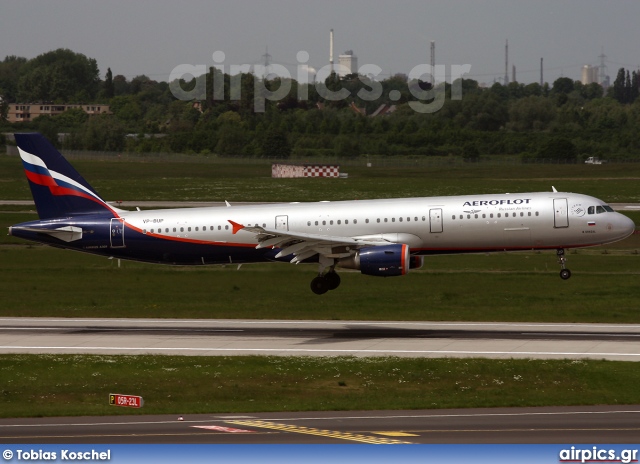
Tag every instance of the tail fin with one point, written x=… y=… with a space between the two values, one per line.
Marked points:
x=57 y=188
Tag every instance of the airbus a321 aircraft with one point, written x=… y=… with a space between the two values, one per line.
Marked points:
x=384 y=238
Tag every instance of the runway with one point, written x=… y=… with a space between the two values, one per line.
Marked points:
x=320 y=338
x=596 y=424
x=574 y=425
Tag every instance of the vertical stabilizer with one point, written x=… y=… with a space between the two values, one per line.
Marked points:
x=58 y=189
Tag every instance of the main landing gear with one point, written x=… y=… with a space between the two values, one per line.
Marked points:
x=325 y=282
x=562 y=260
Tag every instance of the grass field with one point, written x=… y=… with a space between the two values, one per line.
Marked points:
x=128 y=180
x=55 y=385
x=499 y=287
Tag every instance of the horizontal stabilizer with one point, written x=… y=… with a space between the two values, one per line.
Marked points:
x=66 y=234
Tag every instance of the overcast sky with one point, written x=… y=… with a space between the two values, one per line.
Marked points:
x=134 y=37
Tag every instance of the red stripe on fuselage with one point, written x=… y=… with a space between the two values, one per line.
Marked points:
x=188 y=240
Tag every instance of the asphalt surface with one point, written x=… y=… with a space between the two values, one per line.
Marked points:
x=575 y=425
x=319 y=338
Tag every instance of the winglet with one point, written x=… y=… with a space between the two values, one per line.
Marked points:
x=554 y=189
x=236 y=227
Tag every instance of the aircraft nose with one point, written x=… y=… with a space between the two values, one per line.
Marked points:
x=625 y=225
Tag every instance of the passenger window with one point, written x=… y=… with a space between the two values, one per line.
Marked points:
x=331 y=223
x=174 y=229
x=308 y=223
x=316 y=222
x=453 y=217
x=181 y=229
x=355 y=221
x=491 y=215
x=226 y=227
x=366 y=221
x=521 y=214
x=386 y=220
x=197 y=229
x=189 y=229
x=499 y=215
x=346 y=221
x=339 y=222
x=378 y=220
x=393 y=219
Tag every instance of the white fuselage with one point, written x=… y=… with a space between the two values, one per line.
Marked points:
x=428 y=225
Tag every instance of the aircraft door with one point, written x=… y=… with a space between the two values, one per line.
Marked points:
x=435 y=220
x=282 y=222
x=117 y=233
x=561 y=213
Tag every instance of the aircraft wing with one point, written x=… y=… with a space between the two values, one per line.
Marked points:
x=304 y=246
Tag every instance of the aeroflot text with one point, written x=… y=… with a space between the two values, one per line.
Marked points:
x=523 y=201
x=64 y=455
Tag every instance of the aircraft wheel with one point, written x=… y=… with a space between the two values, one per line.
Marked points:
x=565 y=274
x=333 y=280
x=319 y=285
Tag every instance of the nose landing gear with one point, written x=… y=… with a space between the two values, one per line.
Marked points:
x=562 y=260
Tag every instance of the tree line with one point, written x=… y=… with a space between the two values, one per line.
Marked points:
x=563 y=120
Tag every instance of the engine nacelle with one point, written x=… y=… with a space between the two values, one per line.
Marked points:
x=384 y=260
x=416 y=262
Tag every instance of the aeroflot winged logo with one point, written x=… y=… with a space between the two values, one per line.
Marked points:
x=517 y=201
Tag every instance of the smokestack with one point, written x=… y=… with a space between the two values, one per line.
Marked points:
x=331 y=50
x=433 y=63
x=506 y=63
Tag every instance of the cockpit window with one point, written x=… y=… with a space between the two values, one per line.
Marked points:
x=608 y=208
x=600 y=210
x=591 y=210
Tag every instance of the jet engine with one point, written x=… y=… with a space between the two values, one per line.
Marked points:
x=383 y=260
